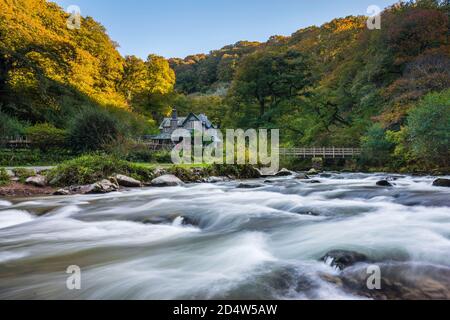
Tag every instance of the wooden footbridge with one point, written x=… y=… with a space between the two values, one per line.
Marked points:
x=310 y=152
x=321 y=152
x=15 y=142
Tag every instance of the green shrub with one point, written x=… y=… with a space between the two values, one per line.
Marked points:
x=244 y=171
x=376 y=149
x=4 y=177
x=140 y=153
x=30 y=157
x=10 y=126
x=45 y=136
x=92 y=168
x=93 y=130
x=23 y=173
x=184 y=174
x=162 y=156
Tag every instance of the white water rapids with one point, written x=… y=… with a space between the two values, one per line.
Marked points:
x=217 y=241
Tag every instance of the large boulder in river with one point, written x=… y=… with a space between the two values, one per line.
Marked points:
x=284 y=172
x=384 y=183
x=441 y=183
x=167 y=180
x=265 y=172
x=128 y=182
x=313 y=171
x=343 y=259
x=37 y=181
x=104 y=186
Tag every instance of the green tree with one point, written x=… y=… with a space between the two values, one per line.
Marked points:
x=429 y=128
x=267 y=79
x=376 y=149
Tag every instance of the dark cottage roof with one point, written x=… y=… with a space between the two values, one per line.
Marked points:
x=162 y=136
x=166 y=122
x=182 y=120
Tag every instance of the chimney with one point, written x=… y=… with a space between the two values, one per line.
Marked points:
x=174 y=120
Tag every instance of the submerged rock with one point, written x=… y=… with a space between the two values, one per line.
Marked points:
x=441 y=183
x=343 y=259
x=128 y=182
x=37 y=181
x=302 y=176
x=167 y=180
x=384 y=183
x=399 y=281
x=249 y=186
x=312 y=181
x=104 y=186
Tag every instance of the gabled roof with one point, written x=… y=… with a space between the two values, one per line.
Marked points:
x=166 y=122
x=183 y=120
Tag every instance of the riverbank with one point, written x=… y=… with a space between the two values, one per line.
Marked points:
x=104 y=174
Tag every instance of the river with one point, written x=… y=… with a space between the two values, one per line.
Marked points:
x=218 y=241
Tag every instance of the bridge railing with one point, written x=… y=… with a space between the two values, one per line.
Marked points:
x=325 y=152
x=15 y=141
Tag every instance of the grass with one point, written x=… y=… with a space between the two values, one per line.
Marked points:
x=92 y=168
x=4 y=177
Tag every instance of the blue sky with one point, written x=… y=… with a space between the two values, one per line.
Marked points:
x=177 y=28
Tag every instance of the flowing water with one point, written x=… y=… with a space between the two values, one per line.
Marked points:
x=218 y=241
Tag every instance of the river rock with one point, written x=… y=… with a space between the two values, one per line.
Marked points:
x=399 y=281
x=159 y=172
x=384 y=183
x=266 y=172
x=302 y=176
x=214 y=179
x=284 y=172
x=167 y=180
x=128 y=182
x=343 y=259
x=313 y=171
x=37 y=181
x=441 y=183
x=62 y=192
x=104 y=186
